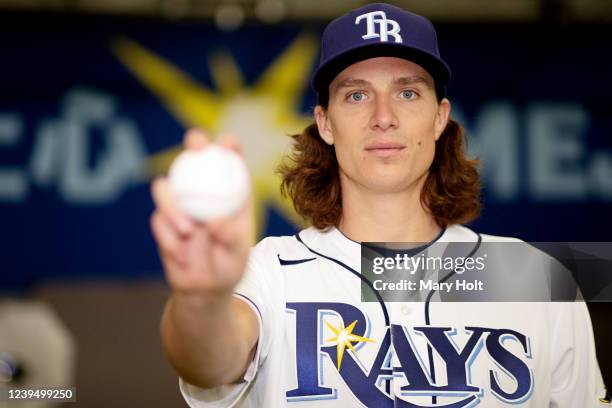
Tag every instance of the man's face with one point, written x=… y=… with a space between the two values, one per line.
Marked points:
x=383 y=119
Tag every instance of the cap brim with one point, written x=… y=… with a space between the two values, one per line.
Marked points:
x=432 y=64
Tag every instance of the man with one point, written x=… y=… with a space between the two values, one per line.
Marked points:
x=285 y=325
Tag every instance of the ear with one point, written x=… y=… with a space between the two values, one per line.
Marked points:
x=444 y=109
x=320 y=115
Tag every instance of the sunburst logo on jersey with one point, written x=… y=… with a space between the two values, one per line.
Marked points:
x=344 y=337
x=260 y=115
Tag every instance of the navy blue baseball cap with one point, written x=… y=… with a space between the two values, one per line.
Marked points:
x=379 y=30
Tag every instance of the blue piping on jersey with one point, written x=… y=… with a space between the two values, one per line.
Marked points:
x=432 y=368
x=354 y=272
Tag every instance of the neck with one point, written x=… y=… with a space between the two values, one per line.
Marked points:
x=387 y=217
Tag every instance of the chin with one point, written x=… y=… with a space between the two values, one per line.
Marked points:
x=391 y=180
x=387 y=185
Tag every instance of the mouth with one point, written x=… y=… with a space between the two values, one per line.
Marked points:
x=384 y=149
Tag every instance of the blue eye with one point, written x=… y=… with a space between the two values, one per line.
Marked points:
x=408 y=94
x=357 y=96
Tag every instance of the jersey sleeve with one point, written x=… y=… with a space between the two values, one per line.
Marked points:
x=576 y=377
x=258 y=289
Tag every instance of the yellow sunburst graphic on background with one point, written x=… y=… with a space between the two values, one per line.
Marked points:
x=345 y=338
x=260 y=116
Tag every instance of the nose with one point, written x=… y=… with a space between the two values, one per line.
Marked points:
x=383 y=118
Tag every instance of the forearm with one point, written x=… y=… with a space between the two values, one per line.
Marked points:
x=208 y=342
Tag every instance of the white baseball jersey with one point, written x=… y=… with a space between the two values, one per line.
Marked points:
x=321 y=346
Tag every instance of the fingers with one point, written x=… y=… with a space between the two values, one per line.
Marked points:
x=198 y=139
x=184 y=259
x=231 y=142
x=168 y=207
x=236 y=230
x=167 y=238
x=195 y=139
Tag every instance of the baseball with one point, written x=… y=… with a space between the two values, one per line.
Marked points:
x=209 y=183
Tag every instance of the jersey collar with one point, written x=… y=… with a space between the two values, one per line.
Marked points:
x=334 y=244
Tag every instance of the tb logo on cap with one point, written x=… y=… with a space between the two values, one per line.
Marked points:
x=388 y=27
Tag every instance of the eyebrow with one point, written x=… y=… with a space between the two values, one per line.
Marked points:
x=411 y=80
x=348 y=82
x=403 y=81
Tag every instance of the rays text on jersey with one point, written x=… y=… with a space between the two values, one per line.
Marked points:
x=398 y=375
